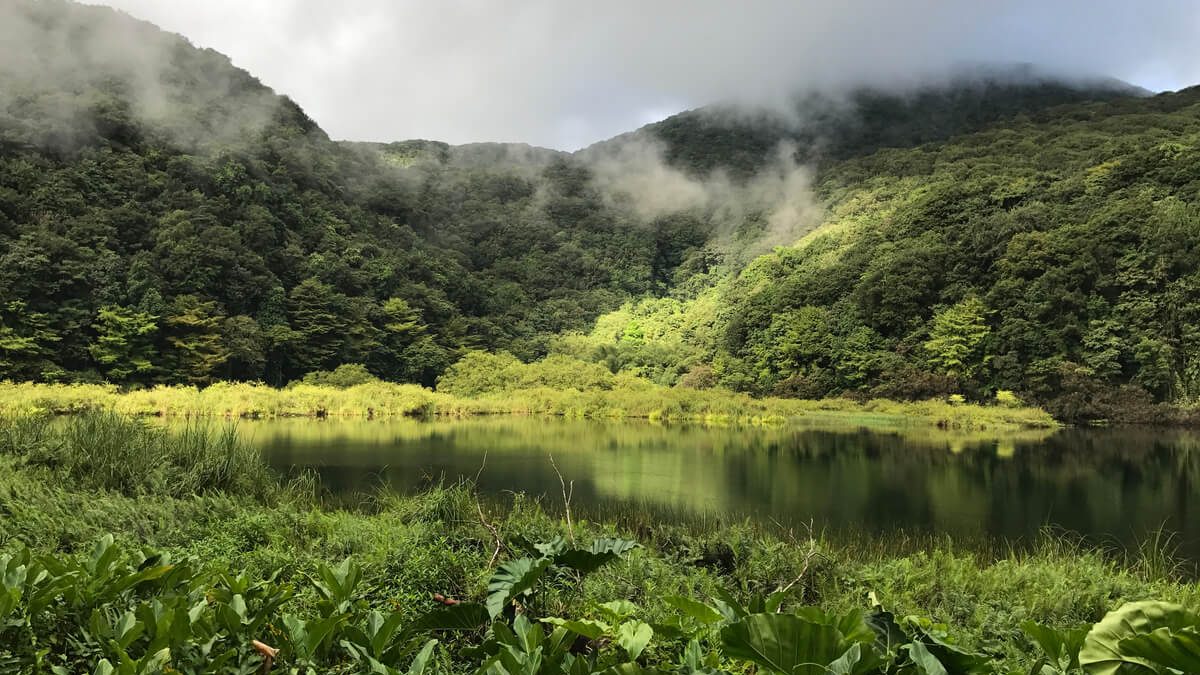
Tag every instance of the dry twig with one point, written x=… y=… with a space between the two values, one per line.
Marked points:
x=566 y=500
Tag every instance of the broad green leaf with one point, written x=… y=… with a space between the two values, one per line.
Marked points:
x=783 y=643
x=614 y=546
x=129 y=581
x=728 y=605
x=156 y=662
x=926 y=663
x=382 y=630
x=1102 y=653
x=629 y=669
x=378 y=668
x=1061 y=646
x=103 y=555
x=845 y=664
x=551 y=548
x=954 y=658
x=859 y=659
x=463 y=616
x=421 y=660
x=1174 y=649
x=618 y=609
x=588 y=628
x=584 y=562
x=852 y=625
x=889 y=635
x=511 y=580
x=774 y=601
x=633 y=636
x=697 y=611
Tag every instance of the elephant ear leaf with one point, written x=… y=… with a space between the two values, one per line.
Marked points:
x=1061 y=646
x=633 y=636
x=512 y=579
x=1103 y=653
x=924 y=660
x=697 y=611
x=465 y=616
x=614 y=546
x=783 y=643
x=586 y=561
x=1178 y=650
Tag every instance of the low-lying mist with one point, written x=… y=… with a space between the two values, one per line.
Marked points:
x=633 y=173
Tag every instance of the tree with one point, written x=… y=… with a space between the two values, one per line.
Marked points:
x=26 y=344
x=956 y=338
x=401 y=328
x=319 y=316
x=277 y=336
x=246 y=343
x=193 y=331
x=124 y=345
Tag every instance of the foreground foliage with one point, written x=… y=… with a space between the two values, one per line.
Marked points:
x=104 y=575
x=118 y=611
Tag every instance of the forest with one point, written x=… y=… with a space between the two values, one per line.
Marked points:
x=182 y=224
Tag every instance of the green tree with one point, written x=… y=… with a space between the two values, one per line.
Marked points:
x=957 y=336
x=124 y=347
x=319 y=315
x=193 y=331
x=247 y=344
x=26 y=344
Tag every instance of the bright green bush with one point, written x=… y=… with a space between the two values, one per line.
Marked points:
x=343 y=377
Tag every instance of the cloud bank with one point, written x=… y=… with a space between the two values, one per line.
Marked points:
x=563 y=74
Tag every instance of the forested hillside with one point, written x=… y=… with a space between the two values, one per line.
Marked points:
x=1054 y=254
x=165 y=217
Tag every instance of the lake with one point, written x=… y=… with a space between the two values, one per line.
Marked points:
x=1114 y=486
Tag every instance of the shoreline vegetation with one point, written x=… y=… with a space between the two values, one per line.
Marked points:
x=382 y=399
x=242 y=556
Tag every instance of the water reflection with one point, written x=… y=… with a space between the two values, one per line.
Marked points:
x=1109 y=484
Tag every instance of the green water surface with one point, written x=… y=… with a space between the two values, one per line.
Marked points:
x=1113 y=486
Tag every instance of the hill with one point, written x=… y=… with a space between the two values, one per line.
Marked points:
x=165 y=217
x=1052 y=254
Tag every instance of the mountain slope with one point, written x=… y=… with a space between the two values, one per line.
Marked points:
x=1052 y=254
x=825 y=128
x=165 y=217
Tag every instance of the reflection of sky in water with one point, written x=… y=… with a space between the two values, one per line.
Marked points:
x=1112 y=484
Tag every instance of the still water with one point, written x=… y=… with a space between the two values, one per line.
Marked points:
x=1113 y=486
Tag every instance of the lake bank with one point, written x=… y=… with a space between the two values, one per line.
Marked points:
x=64 y=488
x=444 y=540
x=380 y=399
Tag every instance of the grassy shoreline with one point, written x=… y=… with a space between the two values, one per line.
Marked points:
x=380 y=399
x=63 y=488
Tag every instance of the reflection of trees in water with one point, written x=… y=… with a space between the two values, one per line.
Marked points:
x=1115 y=482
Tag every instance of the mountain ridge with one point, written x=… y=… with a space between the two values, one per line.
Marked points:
x=215 y=231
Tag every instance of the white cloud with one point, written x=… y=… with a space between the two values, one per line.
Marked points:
x=564 y=73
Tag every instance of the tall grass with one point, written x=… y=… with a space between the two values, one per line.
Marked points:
x=382 y=399
x=110 y=451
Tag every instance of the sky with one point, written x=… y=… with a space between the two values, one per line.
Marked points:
x=567 y=73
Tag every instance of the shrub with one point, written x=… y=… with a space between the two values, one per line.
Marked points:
x=1007 y=399
x=343 y=377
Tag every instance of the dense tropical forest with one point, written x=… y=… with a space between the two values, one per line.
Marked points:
x=166 y=218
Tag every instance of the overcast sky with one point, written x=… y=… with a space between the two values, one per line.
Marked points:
x=566 y=73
